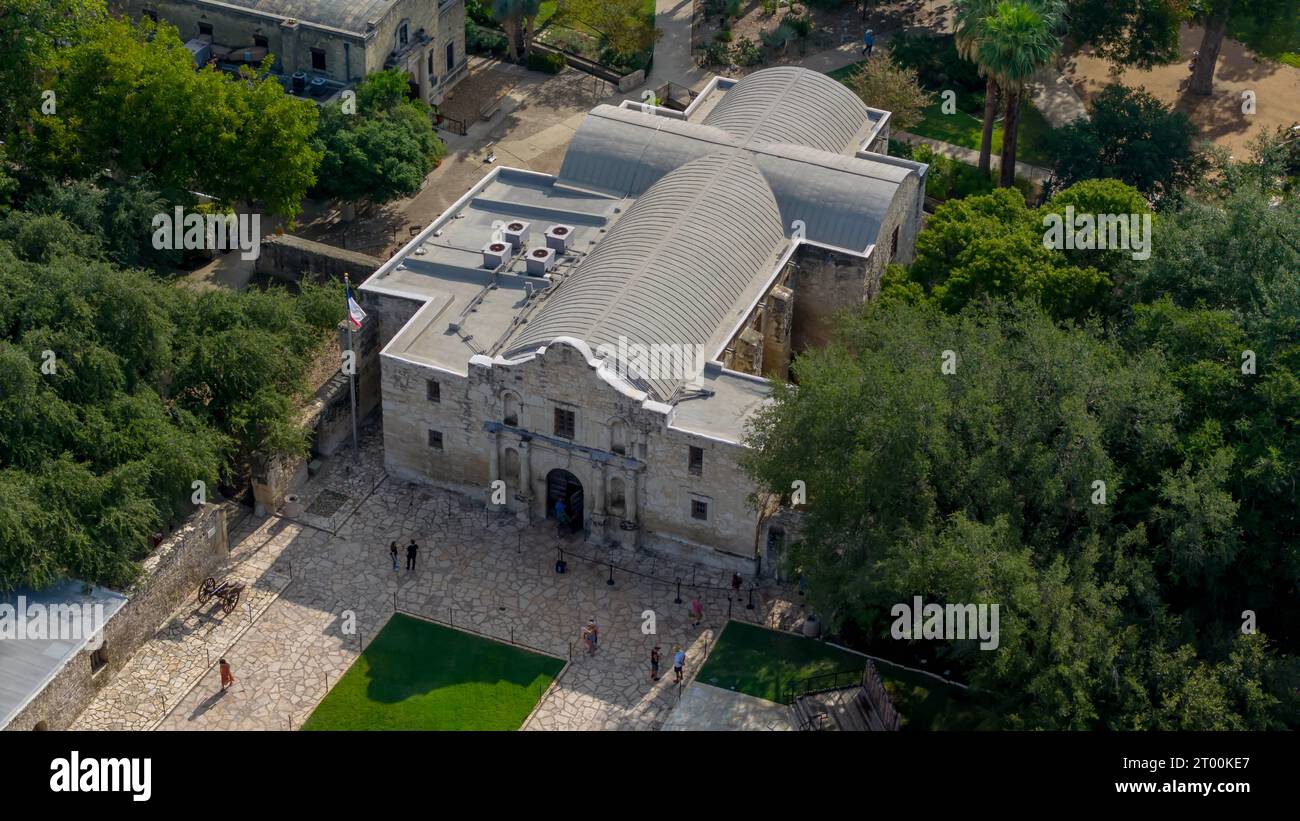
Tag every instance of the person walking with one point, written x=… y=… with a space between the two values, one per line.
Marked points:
x=411 y=550
x=868 y=42
x=697 y=612
x=561 y=517
x=736 y=581
x=591 y=635
x=392 y=551
x=654 y=663
x=227 y=678
x=679 y=661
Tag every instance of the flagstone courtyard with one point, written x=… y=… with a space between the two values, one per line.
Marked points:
x=321 y=587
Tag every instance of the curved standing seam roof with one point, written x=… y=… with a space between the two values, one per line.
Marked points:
x=674 y=269
x=788 y=104
x=624 y=151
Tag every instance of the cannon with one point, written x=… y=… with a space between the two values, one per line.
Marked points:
x=227 y=592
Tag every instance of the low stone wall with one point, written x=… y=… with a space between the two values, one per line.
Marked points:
x=168 y=576
x=291 y=258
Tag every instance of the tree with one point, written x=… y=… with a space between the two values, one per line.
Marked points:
x=1014 y=41
x=384 y=150
x=31 y=32
x=131 y=100
x=1214 y=15
x=882 y=83
x=621 y=24
x=1136 y=33
x=992 y=246
x=516 y=17
x=1132 y=137
x=969 y=31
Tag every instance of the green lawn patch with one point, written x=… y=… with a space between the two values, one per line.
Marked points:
x=762 y=663
x=417 y=675
x=585 y=42
x=964 y=127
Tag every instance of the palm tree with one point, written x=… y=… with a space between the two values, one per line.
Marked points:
x=1016 y=40
x=516 y=18
x=968 y=31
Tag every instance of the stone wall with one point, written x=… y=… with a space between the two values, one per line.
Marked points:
x=287 y=257
x=168 y=576
x=498 y=422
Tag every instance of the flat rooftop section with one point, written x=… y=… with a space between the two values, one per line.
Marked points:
x=27 y=665
x=347 y=15
x=722 y=415
x=447 y=268
x=712 y=709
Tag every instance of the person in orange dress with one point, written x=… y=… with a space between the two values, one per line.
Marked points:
x=227 y=678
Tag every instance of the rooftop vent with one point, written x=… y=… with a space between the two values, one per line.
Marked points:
x=540 y=260
x=559 y=237
x=516 y=233
x=496 y=254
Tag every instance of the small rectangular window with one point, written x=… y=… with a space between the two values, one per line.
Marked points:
x=98 y=658
x=435 y=439
x=432 y=390
x=696 y=463
x=151 y=14
x=699 y=510
x=261 y=42
x=565 y=423
x=402 y=35
x=318 y=59
x=205 y=28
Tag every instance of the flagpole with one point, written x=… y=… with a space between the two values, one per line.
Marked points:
x=352 y=373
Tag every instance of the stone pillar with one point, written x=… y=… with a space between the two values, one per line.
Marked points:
x=525 y=481
x=422 y=72
x=629 y=503
x=598 y=492
x=494 y=468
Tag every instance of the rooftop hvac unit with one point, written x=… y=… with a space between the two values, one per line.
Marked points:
x=540 y=261
x=319 y=87
x=516 y=233
x=496 y=254
x=559 y=237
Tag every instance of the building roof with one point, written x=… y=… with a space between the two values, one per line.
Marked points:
x=28 y=664
x=788 y=104
x=348 y=15
x=677 y=269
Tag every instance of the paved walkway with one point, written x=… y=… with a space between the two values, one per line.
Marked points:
x=705 y=707
x=673 y=61
x=1054 y=97
x=1036 y=174
x=491 y=574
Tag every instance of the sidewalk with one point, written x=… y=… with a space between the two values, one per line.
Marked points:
x=1036 y=174
x=673 y=61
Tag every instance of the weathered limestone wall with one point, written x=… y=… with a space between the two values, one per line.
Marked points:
x=291 y=258
x=498 y=422
x=171 y=573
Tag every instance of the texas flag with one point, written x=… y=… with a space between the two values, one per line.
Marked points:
x=355 y=315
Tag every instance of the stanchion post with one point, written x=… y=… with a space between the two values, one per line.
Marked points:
x=678 y=600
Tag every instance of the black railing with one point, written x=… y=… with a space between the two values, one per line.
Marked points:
x=820 y=683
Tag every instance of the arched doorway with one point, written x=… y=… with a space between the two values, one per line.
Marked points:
x=564 y=486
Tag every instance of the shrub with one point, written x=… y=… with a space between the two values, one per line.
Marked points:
x=936 y=61
x=769 y=8
x=546 y=61
x=800 y=25
x=484 y=40
x=717 y=53
x=723 y=36
x=747 y=52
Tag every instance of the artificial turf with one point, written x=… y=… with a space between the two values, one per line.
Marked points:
x=417 y=675
x=764 y=663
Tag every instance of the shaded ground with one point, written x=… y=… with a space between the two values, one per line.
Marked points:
x=1219 y=117
x=417 y=675
x=764 y=663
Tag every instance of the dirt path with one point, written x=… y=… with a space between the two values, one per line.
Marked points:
x=1218 y=117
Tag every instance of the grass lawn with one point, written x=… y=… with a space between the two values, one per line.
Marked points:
x=964 y=127
x=760 y=662
x=417 y=675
